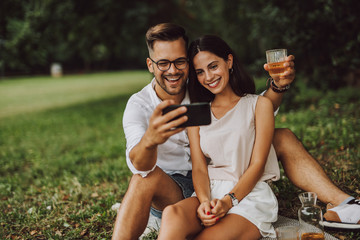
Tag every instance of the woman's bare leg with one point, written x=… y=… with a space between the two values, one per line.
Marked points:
x=232 y=226
x=180 y=221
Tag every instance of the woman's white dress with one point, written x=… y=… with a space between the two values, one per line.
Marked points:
x=227 y=143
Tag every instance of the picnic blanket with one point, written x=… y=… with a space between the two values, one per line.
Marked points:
x=154 y=224
x=285 y=221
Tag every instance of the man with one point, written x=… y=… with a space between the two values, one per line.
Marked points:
x=158 y=153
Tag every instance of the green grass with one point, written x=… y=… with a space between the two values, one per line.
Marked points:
x=63 y=168
x=328 y=124
x=62 y=151
x=42 y=93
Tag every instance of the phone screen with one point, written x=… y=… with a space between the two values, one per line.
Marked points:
x=198 y=114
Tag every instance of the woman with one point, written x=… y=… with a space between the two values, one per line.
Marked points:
x=232 y=157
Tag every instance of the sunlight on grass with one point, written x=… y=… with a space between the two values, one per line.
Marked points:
x=41 y=93
x=64 y=168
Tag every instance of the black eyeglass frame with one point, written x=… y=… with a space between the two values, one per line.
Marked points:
x=170 y=62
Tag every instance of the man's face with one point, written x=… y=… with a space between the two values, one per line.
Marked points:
x=172 y=82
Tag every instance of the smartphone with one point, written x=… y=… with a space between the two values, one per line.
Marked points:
x=197 y=113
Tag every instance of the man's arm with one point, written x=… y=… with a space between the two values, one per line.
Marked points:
x=143 y=156
x=281 y=83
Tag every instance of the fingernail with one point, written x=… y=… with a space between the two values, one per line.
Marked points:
x=213 y=216
x=208 y=213
x=217 y=219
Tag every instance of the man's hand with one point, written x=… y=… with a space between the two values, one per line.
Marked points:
x=144 y=154
x=160 y=126
x=288 y=76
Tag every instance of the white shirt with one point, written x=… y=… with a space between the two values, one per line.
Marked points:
x=173 y=156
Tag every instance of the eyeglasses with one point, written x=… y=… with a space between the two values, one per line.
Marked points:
x=164 y=64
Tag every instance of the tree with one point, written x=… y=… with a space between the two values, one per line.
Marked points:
x=324 y=35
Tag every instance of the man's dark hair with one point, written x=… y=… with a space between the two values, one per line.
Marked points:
x=165 y=32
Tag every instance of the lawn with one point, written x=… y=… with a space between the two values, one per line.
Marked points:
x=26 y=95
x=62 y=150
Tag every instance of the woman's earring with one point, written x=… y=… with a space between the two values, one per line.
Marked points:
x=231 y=70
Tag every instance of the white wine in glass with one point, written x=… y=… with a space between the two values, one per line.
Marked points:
x=275 y=60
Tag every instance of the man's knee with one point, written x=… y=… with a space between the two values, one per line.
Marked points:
x=284 y=138
x=143 y=185
x=151 y=180
x=157 y=186
x=282 y=134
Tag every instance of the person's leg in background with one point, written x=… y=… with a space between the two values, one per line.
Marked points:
x=303 y=170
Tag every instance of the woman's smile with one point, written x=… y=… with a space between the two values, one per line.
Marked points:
x=214 y=84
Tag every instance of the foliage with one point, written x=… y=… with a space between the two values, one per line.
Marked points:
x=311 y=30
x=324 y=35
x=63 y=168
x=78 y=34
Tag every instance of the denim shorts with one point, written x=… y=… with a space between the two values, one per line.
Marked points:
x=186 y=185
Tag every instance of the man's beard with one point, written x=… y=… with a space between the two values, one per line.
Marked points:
x=167 y=90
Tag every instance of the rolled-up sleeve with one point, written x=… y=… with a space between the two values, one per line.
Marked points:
x=135 y=123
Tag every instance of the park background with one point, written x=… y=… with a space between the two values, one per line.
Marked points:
x=62 y=148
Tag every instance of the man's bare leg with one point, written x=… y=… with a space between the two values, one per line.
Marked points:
x=156 y=189
x=303 y=170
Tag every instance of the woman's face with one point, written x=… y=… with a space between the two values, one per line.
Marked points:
x=212 y=71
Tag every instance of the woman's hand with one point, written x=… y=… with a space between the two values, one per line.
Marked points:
x=204 y=214
x=211 y=212
x=220 y=207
